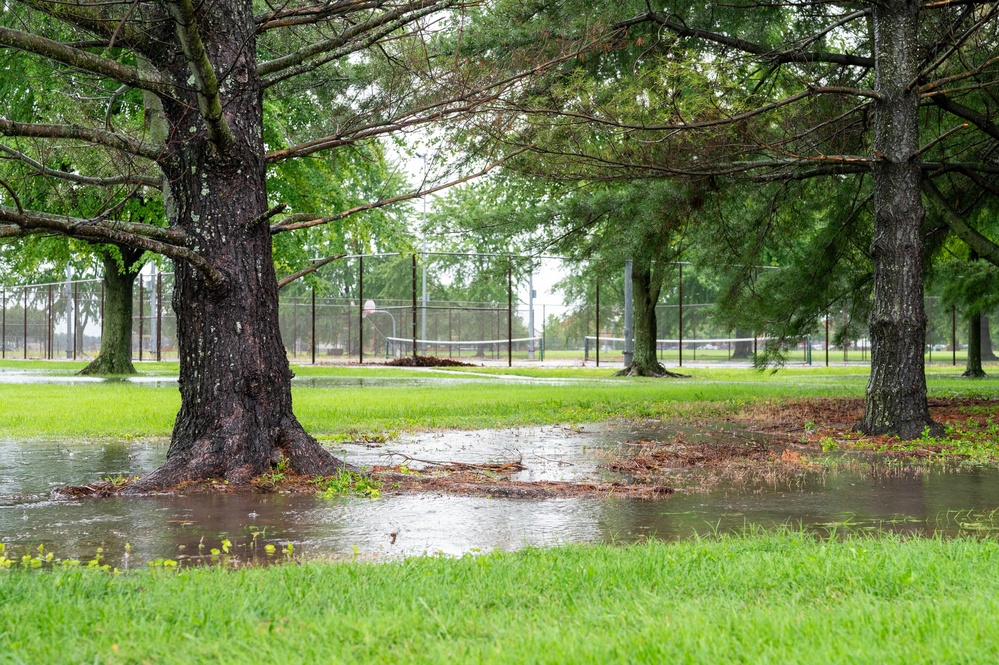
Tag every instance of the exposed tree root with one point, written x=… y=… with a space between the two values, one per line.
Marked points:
x=108 y=365
x=656 y=371
x=299 y=452
x=976 y=373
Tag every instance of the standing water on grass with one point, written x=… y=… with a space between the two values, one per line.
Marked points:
x=947 y=499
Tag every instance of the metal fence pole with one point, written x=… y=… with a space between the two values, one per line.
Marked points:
x=142 y=311
x=414 y=308
x=76 y=316
x=49 y=331
x=509 y=313
x=360 y=312
x=3 y=335
x=680 y=317
x=24 y=291
x=953 y=335
x=313 y=326
x=159 y=316
x=597 y=316
x=827 y=339
x=102 y=316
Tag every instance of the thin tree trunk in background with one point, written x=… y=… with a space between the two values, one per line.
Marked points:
x=973 y=368
x=645 y=295
x=115 y=356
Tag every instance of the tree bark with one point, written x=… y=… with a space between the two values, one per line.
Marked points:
x=236 y=418
x=115 y=356
x=987 y=352
x=742 y=350
x=896 y=393
x=973 y=368
x=645 y=295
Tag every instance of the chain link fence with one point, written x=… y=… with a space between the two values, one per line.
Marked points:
x=480 y=309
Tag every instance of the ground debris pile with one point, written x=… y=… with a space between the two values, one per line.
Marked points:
x=401 y=480
x=972 y=426
x=427 y=361
x=643 y=458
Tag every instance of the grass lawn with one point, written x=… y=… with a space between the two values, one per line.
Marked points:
x=115 y=410
x=777 y=598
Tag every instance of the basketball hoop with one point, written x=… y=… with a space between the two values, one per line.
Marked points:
x=369 y=307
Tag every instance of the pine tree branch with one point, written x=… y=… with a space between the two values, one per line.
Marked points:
x=985 y=248
x=205 y=79
x=305 y=220
x=389 y=22
x=152 y=239
x=767 y=54
x=285 y=281
x=961 y=111
x=83 y=60
x=120 y=142
x=95 y=18
x=110 y=181
x=283 y=18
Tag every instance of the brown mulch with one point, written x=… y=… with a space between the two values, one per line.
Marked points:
x=427 y=361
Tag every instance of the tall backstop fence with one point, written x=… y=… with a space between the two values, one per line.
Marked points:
x=480 y=309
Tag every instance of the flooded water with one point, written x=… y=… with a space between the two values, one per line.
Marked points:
x=948 y=499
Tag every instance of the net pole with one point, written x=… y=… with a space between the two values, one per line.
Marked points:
x=414 y=307
x=76 y=315
x=142 y=300
x=680 y=317
x=48 y=350
x=509 y=313
x=360 y=311
x=597 y=322
x=159 y=316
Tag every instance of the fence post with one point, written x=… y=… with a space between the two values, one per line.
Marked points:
x=102 y=318
x=3 y=335
x=680 y=323
x=76 y=316
x=142 y=310
x=49 y=331
x=313 y=325
x=414 y=309
x=597 y=315
x=544 y=328
x=509 y=312
x=360 y=312
x=953 y=335
x=24 y=291
x=159 y=316
x=827 y=339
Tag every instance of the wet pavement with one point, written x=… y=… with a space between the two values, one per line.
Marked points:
x=893 y=497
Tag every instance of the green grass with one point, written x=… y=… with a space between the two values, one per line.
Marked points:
x=779 y=598
x=124 y=410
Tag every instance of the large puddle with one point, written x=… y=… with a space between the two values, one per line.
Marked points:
x=870 y=496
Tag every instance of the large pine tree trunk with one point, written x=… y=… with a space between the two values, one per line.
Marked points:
x=115 y=356
x=973 y=368
x=896 y=392
x=645 y=295
x=236 y=417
